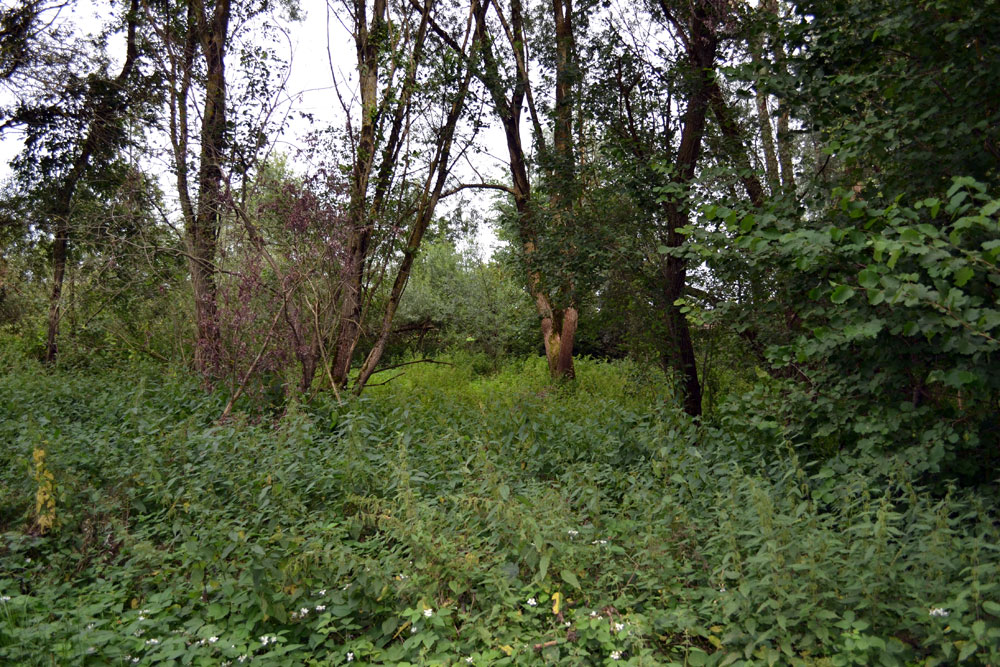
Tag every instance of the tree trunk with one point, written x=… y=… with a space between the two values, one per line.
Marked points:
x=97 y=141
x=702 y=43
x=203 y=226
x=433 y=186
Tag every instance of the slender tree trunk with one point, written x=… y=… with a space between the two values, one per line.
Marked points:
x=767 y=140
x=59 y=248
x=439 y=170
x=702 y=43
x=99 y=140
x=785 y=148
x=203 y=226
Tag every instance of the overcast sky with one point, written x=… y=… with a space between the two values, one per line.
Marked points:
x=318 y=48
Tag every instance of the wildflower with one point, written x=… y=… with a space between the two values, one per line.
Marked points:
x=568 y=624
x=91 y=650
x=428 y=612
x=5 y=598
x=243 y=658
x=141 y=617
x=320 y=607
x=601 y=543
x=322 y=593
x=413 y=629
x=303 y=612
x=469 y=660
x=572 y=533
x=135 y=661
x=139 y=632
x=152 y=642
x=594 y=614
x=532 y=602
x=91 y=626
x=213 y=639
x=722 y=589
x=616 y=655
x=350 y=657
x=938 y=611
x=619 y=627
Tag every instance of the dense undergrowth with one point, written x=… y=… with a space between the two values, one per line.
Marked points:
x=451 y=517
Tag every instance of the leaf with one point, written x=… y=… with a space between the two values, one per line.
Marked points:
x=543 y=566
x=967 y=650
x=842 y=293
x=963 y=275
x=556 y=602
x=570 y=578
x=991 y=607
x=868 y=278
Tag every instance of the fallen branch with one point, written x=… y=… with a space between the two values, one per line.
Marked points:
x=409 y=363
x=379 y=384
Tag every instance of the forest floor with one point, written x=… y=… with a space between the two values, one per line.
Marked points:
x=464 y=515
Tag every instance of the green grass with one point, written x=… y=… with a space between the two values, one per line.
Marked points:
x=471 y=495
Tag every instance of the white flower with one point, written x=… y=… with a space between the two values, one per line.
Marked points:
x=594 y=614
x=91 y=626
x=152 y=642
x=264 y=639
x=320 y=607
x=616 y=655
x=243 y=658
x=135 y=661
x=938 y=611
x=322 y=592
x=568 y=624
x=5 y=598
x=601 y=543
x=141 y=617
x=572 y=533
x=722 y=589
x=532 y=602
x=413 y=629
x=350 y=657
x=619 y=627
x=428 y=612
x=213 y=639
x=91 y=650
x=469 y=660
x=139 y=632
x=304 y=611
x=144 y=611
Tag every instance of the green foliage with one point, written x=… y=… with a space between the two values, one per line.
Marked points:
x=450 y=515
x=895 y=311
x=463 y=301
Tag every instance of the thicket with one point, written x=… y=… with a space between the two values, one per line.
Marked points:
x=454 y=517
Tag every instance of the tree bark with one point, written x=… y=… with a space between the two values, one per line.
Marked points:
x=701 y=45
x=203 y=226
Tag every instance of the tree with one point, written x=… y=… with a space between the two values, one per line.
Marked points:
x=71 y=138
